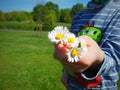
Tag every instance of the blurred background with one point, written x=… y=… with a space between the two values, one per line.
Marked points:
x=27 y=14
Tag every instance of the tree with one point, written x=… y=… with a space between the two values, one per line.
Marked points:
x=65 y=15
x=49 y=21
x=11 y=16
x=29 y=16
x=76 y=8
x=18 y=16
x=39 y=12
x=2 y=18
x=54 y=7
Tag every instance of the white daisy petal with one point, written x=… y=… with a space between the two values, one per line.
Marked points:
x=72 y=40
x=72 y=60
x=73 y=55
x=76 y=59
x=83 y=45
x=57 y=34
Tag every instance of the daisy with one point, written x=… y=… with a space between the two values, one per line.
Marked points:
x=82 y=45
x=74 y=55
x=58 y=34
x=72 y=40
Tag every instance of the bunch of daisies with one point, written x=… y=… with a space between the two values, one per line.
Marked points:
x=62 y=34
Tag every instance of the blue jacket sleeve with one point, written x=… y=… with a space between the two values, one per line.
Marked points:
x=110 y=44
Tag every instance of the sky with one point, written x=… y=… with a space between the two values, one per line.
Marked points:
x=28 y=5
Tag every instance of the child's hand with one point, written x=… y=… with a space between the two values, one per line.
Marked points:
x=92 y=57
x=61 y=49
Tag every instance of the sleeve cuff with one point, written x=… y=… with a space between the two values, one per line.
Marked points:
x=106 y=67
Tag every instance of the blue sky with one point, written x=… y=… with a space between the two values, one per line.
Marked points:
x=27 y=5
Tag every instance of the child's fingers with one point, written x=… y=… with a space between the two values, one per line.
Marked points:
x=62 y=44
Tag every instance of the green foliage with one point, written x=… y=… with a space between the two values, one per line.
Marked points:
x=31 y=25
x=49 y=21
x=68 y=25
x=17 y=25
x=76 y=8
x=54 y=7
x=27 y=63
x=39 y=12
x=67 y=18
x=2 y=18
x=65 y=15
x=18 y=16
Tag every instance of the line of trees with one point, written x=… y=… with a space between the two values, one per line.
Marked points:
x=47 y=14
x=16 y=16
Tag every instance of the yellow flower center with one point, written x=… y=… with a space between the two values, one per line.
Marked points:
x=59 y=36
x=71 y=40
x=74 y=52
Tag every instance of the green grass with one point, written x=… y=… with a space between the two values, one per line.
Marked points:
x=26 y=62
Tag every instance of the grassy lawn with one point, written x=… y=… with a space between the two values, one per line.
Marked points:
x=26 y=62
